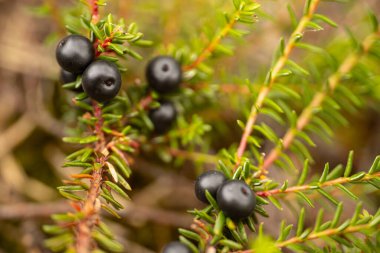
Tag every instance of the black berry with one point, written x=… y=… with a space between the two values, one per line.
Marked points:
x=236 y=199
x=163 y=117
x=176 y=247
x=164 y=74
x=74 y=53
x=101 y=80
x=67 y=77
x=209 y=180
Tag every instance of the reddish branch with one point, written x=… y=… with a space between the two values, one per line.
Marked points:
x=145 y=102
x=19 y=211
x=90 y=210
x=94 y=11
x=56 y=16
x=337 y=181
x=103 y=45
x=31 y=210
x=291 y=133
x=325 y=233
x=212 y=45
x=274 y=72
x=91 y=205
x=94 y=19
x=250 y=123
x=317 y=235
x=318 y=99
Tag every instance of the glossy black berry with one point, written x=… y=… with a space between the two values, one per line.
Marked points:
x=67 y=77
x=209 y=180
x=101 y=80
x=176 y=247
x=164 y=74
x=236 y=199
x=163 y=117
x=74 y=53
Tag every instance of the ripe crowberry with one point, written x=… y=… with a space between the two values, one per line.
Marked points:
x=163 y=117
x=176 y=247
x=67 y=77
x=209 y=180
x=74 y=53
x=236 y=199
x=101 y=80
x=164 y=74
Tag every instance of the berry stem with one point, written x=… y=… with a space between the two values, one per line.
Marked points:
x=94 y=11
x=145 y=102
x=106 y=42
x=318 y=99
x=280 y=63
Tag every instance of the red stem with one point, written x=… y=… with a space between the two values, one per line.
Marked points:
x=91 y=205
x=90 y=210
x=340 y=180
x=274 y=72
x=104 y=45
x=94 y=11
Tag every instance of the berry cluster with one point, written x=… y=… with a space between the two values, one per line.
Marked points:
x=234 y=197
x=164 y=75
x=101 y=80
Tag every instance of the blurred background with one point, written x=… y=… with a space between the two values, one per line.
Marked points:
x=35 y=113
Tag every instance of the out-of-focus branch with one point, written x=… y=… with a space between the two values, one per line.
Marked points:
x=318 y=99
x=194 y=156
x=207 y=51
x=280 y=63
x=32 y=210
x=23 y=211
x=16 y=134
x=56 y=16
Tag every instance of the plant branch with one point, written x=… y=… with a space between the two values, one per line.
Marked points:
x=90 y=211
x=318 y=99
x=94 y=11
x=280 y=63
x=337 y=181
x=92 y=205
x=317 y=235
x=32 y=210
x=56 y=16
x=207 y=51
x=16 y=134
x=24 y=211
x=328 y=232
x=103 y=45
x=194 y=156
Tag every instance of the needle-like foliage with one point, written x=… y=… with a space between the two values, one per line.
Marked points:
x=308 y=98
